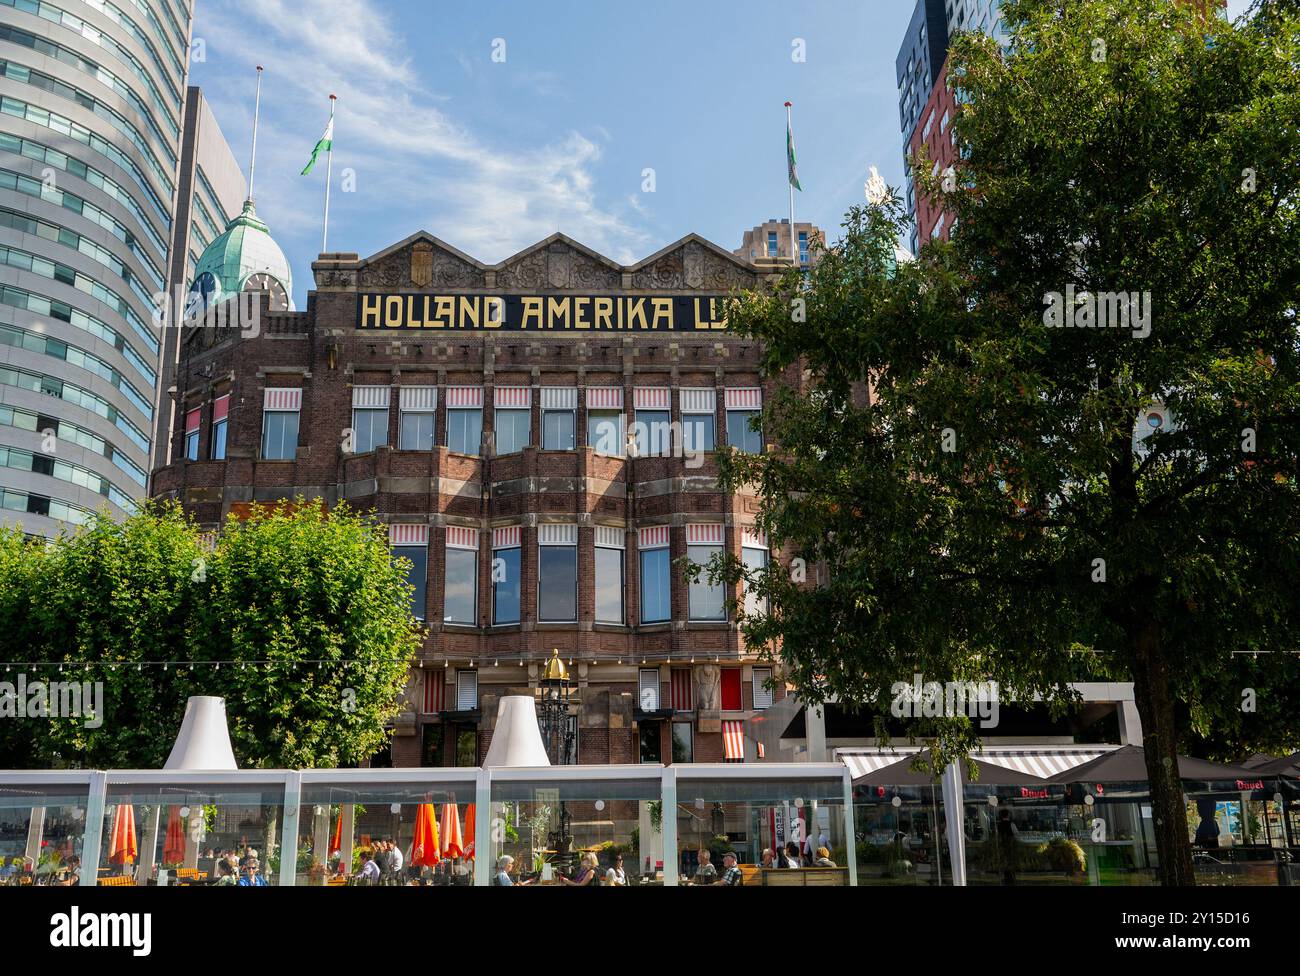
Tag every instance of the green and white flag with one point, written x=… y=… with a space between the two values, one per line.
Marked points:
x=789 y=154
x=325 y=144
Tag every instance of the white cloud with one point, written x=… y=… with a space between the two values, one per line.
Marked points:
x=487 y=195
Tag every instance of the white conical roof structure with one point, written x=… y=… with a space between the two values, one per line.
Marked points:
x=204 y=739
x=517 y=739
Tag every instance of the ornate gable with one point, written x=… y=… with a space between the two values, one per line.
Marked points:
x=422 y=262
x=693 y=264
x=558 y=263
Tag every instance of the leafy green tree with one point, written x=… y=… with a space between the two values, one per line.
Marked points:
x=969 y=478
x=297 y=617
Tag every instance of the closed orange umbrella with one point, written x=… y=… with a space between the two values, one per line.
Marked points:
x=424 y=847
x=469 y=832
x=122 y=846
x=336 y=844
x=451 y=831
x=174 y=845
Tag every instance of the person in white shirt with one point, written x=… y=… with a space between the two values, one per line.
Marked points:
x=395 y=853
x=616 y=876
x=369 y=869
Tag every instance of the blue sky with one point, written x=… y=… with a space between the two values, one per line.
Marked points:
x=493 y=156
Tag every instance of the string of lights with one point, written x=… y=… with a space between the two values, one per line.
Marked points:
x=320 y=663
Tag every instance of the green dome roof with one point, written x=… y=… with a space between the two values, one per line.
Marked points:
x=246 y=248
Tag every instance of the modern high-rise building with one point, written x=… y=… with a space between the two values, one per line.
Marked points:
x=92 y=112
x=210 y=192
x=926 y=105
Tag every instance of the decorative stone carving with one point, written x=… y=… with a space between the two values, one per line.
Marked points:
x=722 y=275
x=528 y=272
x=422 y=264
x=708 y=685
x=693 y=264
x=667 y=272
x=557 y=272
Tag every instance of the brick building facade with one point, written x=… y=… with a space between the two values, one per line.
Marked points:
x=477 y=441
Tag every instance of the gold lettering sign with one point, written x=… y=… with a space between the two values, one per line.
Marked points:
x=548 y=313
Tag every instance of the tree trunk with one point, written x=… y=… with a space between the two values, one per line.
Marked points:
x=1159 y=741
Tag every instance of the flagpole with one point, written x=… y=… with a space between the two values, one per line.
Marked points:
x=329 y=172
x=790 y=134
x=257 y=108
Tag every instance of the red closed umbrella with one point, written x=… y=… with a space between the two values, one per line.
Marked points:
x=424 y=847
x=469 y=832
x=336 y=843
x=174 y=844
x=122 y=845
x=451 y=846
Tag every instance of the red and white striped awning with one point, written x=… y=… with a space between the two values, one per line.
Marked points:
x=733 y=739
x=698 y=399
x=704 y=533
x=459 y=537
x=652 y=397
x=371 y=397
x=465 y=397
x=513 y=397
x=753 y=538
x=408 y=534
x=506 y=537
x=559 y=397
x=282 y=398
x=610 y=537
x=604 y=398
x=419 y=399
x=744 y=398
x=652 y=537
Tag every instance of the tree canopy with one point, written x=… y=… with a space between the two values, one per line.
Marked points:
x=298 y=617
x=986 y=487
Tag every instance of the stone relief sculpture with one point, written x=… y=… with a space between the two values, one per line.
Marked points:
x=708 y=682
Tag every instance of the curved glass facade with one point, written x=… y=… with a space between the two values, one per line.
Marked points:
x=90 y=139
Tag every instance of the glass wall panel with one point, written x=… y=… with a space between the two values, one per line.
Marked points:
x=749 y=817
x=901 y=837
x=192 y=833
x=42 y=827
x=594 y=831
x=391 y=834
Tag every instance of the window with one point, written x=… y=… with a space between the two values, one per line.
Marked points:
x=513 y=421
x=466 y=745
x=656 y=575
x=744 y=407
x=369 y=418
x=431 y=739
x=605 y=432
x=771 y=243
x=683 y=746
x=466 y=690
x=647 y=698
x=929 y=124
x=460 y=580
x=559 y=424
x=609 y=575
x=803 y=247
x=731 y=698
x=192 y=434
x=512 y=429
x=220 y=419
x=703 y=542
x=411 y=542
x=699 y=408
x=418 y=406
x=762 y=693
x=938 y=228
x=605 y=420
x=280 y=409
x=753 y=554
x=651 y=750
x=464 y=419
x=435 y=690
x=557 y=573
x=505 y=575
x=653 y=433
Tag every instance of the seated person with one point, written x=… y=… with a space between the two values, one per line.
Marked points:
x=823 y=859
x=502 y=877
x=369 y=873
x=586 y=873
x=731 y=876
x=706 y=873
